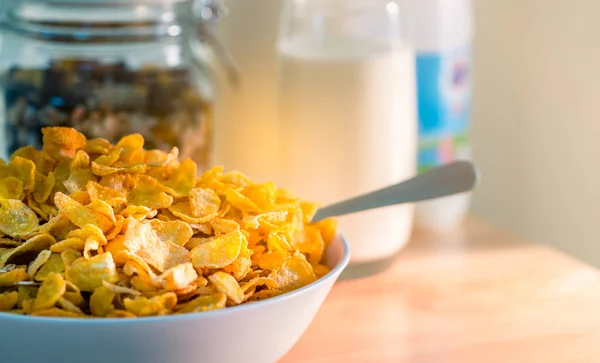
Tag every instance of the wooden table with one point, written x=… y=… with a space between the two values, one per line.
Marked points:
x=474 y=295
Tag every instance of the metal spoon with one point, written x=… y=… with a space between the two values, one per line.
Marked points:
x=453 y=178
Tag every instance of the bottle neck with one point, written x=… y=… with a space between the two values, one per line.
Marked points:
x=89 y=22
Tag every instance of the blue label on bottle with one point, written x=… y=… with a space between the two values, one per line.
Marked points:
x=444 y=105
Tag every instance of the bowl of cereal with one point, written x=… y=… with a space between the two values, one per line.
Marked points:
x=114 y=253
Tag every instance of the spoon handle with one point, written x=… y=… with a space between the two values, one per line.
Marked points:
x=453 y=178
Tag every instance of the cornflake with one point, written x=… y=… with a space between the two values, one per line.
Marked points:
x=88 y=228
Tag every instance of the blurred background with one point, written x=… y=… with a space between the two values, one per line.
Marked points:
x=535 y=94
x=534 y=135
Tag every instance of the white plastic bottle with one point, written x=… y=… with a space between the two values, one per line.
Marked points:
x=442 y=33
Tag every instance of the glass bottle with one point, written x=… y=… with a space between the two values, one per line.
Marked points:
x=347 y=115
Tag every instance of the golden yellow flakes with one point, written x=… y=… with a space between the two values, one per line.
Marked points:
x=88 y=228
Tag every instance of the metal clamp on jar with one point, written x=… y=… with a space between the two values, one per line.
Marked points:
x=109 y=68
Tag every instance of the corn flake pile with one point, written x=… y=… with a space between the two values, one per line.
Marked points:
x=93 y=229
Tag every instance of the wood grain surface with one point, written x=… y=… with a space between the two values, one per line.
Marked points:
x=471 y=295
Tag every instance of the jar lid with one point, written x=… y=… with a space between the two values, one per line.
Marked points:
x=207 y=14
x=115 y=2
x=209 y=10
x=212 y=11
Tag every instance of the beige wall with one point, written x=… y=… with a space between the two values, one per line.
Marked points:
x=249 y=32
x=536 y=133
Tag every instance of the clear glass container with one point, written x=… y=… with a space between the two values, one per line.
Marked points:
x=108 y=68
x=347 y=112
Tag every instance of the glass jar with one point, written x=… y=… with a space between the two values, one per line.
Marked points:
x=109 y=68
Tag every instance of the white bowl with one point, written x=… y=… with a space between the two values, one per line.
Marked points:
x=259 y=332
